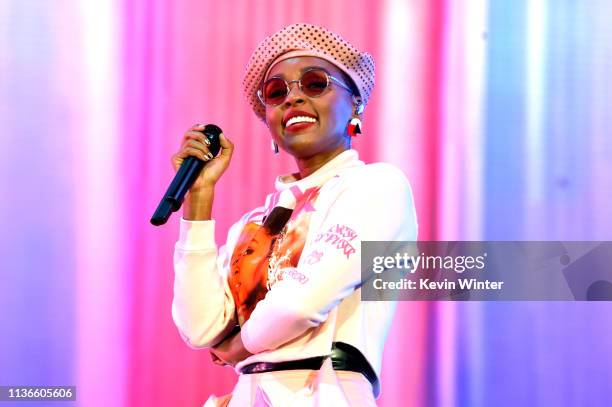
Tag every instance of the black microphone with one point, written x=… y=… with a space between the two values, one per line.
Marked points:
x=185 y=177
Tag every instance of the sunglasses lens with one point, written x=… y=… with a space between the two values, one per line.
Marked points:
x=314 y=83
x=275 y=91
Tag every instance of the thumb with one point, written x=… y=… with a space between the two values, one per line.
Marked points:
x=225 y=142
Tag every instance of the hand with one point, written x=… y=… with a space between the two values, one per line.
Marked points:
x=230 y=351
x=215 y=359
x=195 y=144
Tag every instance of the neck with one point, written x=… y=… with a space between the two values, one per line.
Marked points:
x=307 y=166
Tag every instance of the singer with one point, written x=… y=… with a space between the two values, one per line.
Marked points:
x=280 y=300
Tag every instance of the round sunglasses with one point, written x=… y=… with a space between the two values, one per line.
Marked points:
x=312 y=83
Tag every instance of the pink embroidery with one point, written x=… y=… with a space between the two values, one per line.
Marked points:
x=298 y=194
x=339 y=236
x=274 y=199
x=344 y=231
x=296 y=191
x=294 y=274
x=314 y=257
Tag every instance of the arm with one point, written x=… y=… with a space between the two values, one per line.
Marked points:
x=203 y=308
x=230 y=351
x=378 y=208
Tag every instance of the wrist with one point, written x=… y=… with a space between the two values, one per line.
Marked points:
x=200 y=191
x=198 y=204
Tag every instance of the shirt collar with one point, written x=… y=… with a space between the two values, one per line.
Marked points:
x=344 y=160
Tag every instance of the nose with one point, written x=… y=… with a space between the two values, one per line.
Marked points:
x=295 y=94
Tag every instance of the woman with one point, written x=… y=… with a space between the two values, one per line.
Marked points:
x=300 y=334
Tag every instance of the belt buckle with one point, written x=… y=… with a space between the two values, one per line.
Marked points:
x=260 y=367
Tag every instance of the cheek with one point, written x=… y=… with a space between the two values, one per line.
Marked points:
x=337 y=117
x=273 y=118
x=274 y=123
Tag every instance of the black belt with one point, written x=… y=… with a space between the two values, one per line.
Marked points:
x=343 y=356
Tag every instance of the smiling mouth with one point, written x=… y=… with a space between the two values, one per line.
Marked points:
x=298 y=127
x=299 y=123
x=300 y=119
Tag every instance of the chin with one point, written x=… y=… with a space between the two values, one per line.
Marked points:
x=299 y=143
x=300 y=149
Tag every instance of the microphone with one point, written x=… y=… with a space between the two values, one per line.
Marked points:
x=185 y=177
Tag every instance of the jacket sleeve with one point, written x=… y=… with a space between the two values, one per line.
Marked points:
x=378 y=206
x=203 y=308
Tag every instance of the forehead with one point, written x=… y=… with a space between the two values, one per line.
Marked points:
x=293 y=67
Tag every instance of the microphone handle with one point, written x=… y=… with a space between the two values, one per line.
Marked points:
x=175 y=195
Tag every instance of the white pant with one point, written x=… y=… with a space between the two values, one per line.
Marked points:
x=299 y=388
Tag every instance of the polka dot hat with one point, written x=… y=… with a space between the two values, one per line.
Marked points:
x=311 y=41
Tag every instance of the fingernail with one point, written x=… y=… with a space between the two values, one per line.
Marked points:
x=207 y=141
x=200 y=125
x=210 y=155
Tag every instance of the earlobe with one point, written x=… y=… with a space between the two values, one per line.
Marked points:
x=357 y=102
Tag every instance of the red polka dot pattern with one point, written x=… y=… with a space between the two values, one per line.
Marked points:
x=358 y=65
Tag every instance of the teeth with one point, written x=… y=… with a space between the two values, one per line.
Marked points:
x=300 y=119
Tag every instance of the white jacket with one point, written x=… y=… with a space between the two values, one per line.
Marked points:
x=317 y=302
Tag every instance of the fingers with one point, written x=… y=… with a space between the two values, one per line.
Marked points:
x=195 y=152
x=225 y=142
x=187 y=151
x=227 y=147
x=216 y=359
x=196 y=132
x=197 y=127
x=196 y=144
x=196 y=136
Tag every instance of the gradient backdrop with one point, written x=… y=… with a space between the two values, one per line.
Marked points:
x=499 y=112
